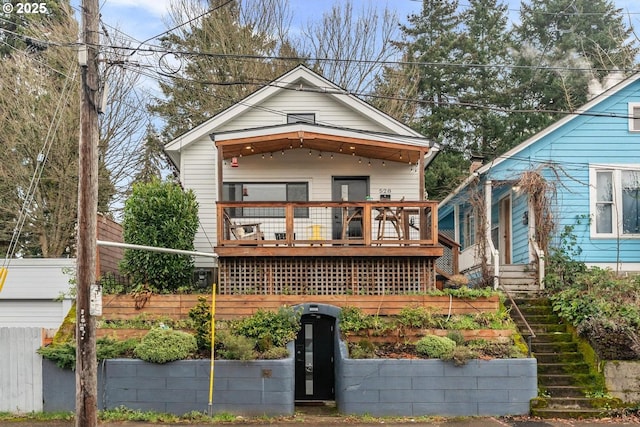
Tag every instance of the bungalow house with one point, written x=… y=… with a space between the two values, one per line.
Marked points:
x=304 y=189
x=579 y=176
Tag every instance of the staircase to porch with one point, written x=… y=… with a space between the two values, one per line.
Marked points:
x=519 y=279
x=565 y=380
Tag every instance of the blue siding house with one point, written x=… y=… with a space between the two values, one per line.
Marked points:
x=583 y=172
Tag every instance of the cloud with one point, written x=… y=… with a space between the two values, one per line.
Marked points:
x=157 y=8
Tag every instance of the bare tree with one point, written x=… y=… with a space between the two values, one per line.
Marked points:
x=351 y=49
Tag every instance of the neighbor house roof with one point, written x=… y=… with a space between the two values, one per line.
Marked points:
x=586 y=108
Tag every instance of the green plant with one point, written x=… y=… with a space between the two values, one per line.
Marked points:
x=165 y=345
x=363 y=349
x=275 y=353
x=64 y=354
x=456 y=336
x=269 y=328
x=112 y=286
x=461 y=321
x=416 y=317
x=107 y=348
x=159 y=214
x=461 y=355
x=234 y=347
x=352 y=320
x=563 y=264
x=435 y=347
x=200 y=316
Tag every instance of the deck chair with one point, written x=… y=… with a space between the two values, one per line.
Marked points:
x=249 y=231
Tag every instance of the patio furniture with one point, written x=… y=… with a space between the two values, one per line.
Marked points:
x=246 y=231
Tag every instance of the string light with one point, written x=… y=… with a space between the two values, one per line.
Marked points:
x=360 y=160
x=320 y=156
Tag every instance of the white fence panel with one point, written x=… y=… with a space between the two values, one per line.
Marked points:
x=20 y=370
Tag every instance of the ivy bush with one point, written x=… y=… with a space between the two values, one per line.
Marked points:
x=159 y=214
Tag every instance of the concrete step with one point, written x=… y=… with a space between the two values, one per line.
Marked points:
x=563 y=391
x=558 y=357
x=562 y=379
x=553 y=337
x=569 y=413
x=563 y=368
x=554 y=347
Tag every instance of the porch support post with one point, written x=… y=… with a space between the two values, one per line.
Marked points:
x=491 y=258
x=421 y=177
x=220 y=161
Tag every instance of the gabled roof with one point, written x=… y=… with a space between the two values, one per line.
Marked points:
x=543 y=133
x=291 y=79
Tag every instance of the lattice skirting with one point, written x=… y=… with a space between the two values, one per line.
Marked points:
x=326 y=275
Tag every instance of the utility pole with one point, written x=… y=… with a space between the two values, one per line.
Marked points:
x=86 y=362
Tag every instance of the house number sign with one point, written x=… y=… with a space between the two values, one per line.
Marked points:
x=385 y=193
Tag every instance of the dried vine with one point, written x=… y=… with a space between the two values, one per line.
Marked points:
x=541 y=192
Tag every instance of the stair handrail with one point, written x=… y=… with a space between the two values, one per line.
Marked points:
x=532 y=334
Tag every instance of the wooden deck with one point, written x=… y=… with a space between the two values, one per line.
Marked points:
x=372 y=228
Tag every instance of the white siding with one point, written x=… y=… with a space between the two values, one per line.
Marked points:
x=198 y=173
x=327 y=109
x=38 y=278
x=33 y=313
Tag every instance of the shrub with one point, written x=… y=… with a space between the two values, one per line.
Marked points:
x=63 y=355
x=456 y=336
x=108 y=348
x=416 y=317
x=200 y=316
x=159 y=214
x=352 y=320
x=268 y=328
x=165 y=345
x=234 y=347
x=435 y=347
x=461 y=354
x=363 y=349
x=275 y=353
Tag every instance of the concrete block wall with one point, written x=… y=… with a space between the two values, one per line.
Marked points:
x=260 y=387
x=385 y=387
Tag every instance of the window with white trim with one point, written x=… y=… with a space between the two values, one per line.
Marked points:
x=634 y=117
x=615 y=202
x=469 y=229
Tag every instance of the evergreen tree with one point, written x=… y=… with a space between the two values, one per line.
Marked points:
x=216 y=75
x=564 y=49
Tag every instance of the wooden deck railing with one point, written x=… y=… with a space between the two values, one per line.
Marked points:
x=292 y=224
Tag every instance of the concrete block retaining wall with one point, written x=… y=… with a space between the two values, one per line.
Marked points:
x=432 y=387
x=379 y=387
x=259 y=387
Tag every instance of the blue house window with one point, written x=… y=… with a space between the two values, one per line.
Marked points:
x=617 y=202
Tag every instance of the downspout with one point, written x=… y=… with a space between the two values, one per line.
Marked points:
x=493 y=259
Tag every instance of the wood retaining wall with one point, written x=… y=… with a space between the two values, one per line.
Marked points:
x=121 y=307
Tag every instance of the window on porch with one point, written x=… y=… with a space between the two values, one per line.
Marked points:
x=266 y=192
